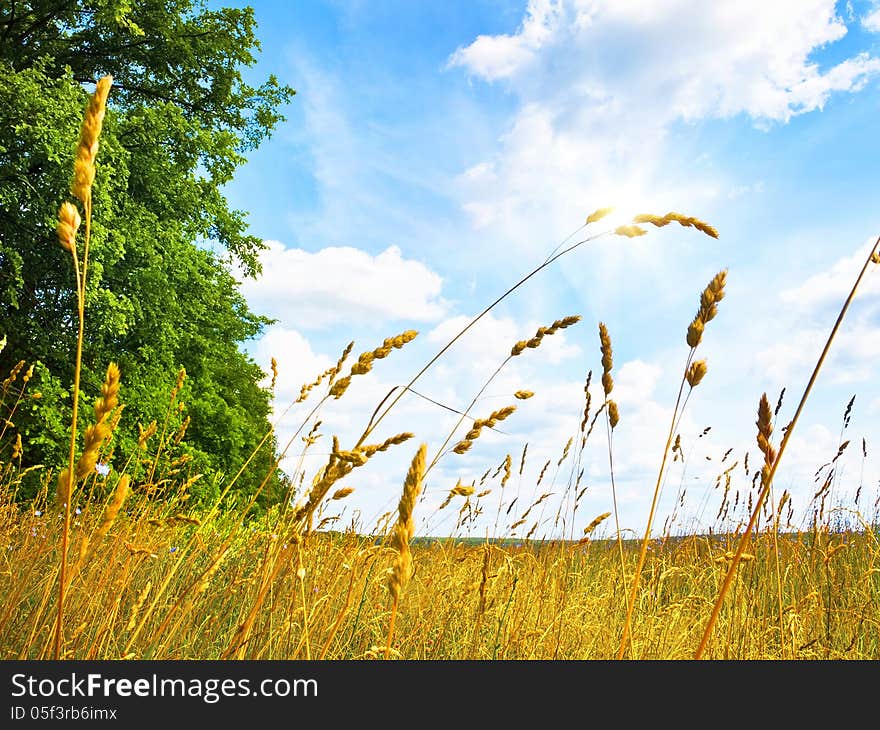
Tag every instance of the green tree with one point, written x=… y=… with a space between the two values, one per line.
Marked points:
x=161 y=295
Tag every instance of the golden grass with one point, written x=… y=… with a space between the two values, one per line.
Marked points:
x=539 y=600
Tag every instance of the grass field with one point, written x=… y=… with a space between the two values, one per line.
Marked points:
x=161 y=586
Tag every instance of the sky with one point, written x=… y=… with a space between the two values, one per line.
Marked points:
x=436 y=153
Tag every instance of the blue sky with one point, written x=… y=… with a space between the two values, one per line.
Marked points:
x=437 y=152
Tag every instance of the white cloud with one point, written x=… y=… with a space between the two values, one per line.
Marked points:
x=343 y=284
x=501 y=56
x=806 y=314
x=871 y=20
x=600 y=85
x=297 y=363
x=833 y=285
x=792 y=358
x=635 y=382
x=692 y=59
x=786 y=361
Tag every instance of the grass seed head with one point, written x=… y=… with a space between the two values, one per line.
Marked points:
x=87 y=148
x=598 y=215
x=629 y=231
x=68 y=224
x=96 y=434
x=63 y=488
x=459 y=490
x=518 y=348
x=709 y=298
x=403 y=530
x=607 y=361
x=696 y=372
x=273 y=364
x=337 y=390
x=336 y=369
x=613 y=414
x=596 y=522
x=111 y=511
x=136 y=607
x=765 y=429
x=365 y=361
x=508 y=464
x=543 y=332
x=462 y=446
x=479 y=425
x=388 y=443
x=145 y=434
x=684 y=220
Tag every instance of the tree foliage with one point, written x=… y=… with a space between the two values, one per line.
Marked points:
x=161 y=295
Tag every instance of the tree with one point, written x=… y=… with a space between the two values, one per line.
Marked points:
x=161 y=295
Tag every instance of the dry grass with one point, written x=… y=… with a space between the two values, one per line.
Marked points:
x=539 y=600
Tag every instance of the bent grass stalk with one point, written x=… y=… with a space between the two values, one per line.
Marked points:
x=873 y=257
x=377 y=417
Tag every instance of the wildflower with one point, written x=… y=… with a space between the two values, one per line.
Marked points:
x=37 y=513
x=173 y=550
x=102 y=469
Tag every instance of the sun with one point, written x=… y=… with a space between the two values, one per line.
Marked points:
x=627 y=204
